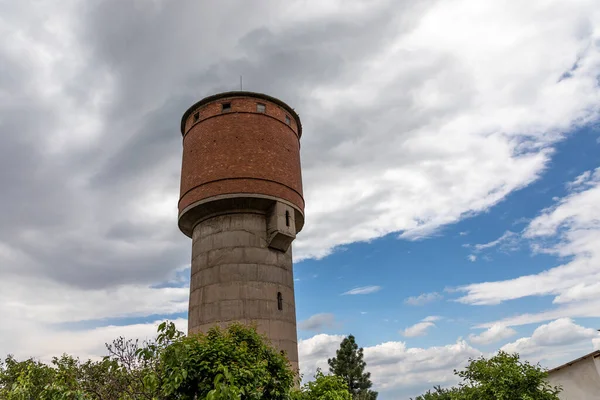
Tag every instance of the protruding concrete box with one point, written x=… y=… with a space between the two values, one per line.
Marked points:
x=281 y=227
x=241 y=203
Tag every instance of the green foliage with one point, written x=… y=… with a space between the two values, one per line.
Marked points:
x=24 y=380
x=191 y=365
x=224 y=387
x=324 y=387
x=439 y=394
x=502 y=377
x=234 y=363
x=350 y=366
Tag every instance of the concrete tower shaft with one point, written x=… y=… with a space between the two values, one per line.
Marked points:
x=241 y=203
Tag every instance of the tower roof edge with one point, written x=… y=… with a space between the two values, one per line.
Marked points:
x=241 y=93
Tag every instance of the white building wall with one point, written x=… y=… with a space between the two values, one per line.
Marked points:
x=579 y=381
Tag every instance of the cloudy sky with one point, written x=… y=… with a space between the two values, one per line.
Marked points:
x=451 y=164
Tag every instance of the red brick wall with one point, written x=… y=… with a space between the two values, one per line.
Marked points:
x=240 y=151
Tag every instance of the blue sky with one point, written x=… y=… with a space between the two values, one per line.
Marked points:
x=428 y=270
x=450 y=157
x=404 y=268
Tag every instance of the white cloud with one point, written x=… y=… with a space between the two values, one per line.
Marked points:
x=314 y=352
x=578 y=211
x=422 y=299
x=418 y=329
x=573 y=224
x=421 y=328
x=580 y=180
x=55 y=303
x=393 y=365
x=508 y=241
x=478 y=129
x=499 y=122
x=590 y=309
x=85 y=343
x=472 y=257
x=552 y=338
x=318 y=322
x=363 y=290
x=40 y=311
x=494 y=334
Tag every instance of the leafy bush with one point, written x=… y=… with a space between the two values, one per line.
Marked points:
x=232 y=363
x=324 y=387
x=502 y=377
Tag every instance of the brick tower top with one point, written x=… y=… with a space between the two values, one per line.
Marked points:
x=241 y=151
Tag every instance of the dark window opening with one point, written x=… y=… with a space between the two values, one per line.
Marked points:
x=279 y=301
x=287 y=218
x=196 y=117
x=225 y=106
x=287 y=120
x=261 y=108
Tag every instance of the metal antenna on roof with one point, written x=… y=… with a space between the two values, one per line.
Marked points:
x=241 y=83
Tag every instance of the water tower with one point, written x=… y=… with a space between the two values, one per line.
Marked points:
x=241 y=203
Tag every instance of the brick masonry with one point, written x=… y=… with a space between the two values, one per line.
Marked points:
x=241 y=151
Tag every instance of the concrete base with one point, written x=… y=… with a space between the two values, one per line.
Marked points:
x=236 y=276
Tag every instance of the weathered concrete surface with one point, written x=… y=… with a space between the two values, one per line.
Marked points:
x=281 y=227
x=580 y=379
x=236 y=276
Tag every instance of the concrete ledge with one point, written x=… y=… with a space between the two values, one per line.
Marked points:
x=244 y=290
x=203 y=276
x=235 y=310
x=227 y=204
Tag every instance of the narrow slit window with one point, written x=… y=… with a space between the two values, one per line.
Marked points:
x=279 y=301
x=226 y=107
x=287 y=120
x=196 y=117
x=261 y=108
x=287 y=218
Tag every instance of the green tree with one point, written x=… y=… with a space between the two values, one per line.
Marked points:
x=24 y=380
x=224 y=364
x=501 y=377
x=324 y=387
x=348 y=364
x=504 y=376
x=439 y=393
x=190 y=365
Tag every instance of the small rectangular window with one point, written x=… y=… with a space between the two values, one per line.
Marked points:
x=196 y=117
x=287 y=120
x=261 y=108
x=226 y=106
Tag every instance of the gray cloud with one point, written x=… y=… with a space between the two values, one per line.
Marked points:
x=318 y=322
x=71 y=210
x=422 y=299
x=413 y=119
x=408 y=126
